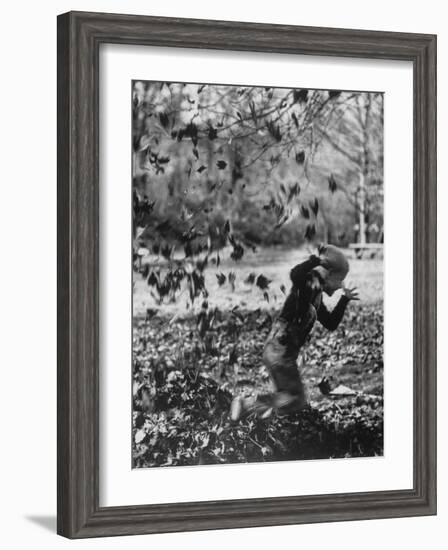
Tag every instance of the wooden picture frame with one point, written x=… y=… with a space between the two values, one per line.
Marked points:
x=79 y=38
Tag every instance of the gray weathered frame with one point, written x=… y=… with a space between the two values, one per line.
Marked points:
x=79 y=37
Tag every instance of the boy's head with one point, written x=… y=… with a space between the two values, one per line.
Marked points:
x=333 y=268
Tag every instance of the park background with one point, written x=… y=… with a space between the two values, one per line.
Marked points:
x=28 y=419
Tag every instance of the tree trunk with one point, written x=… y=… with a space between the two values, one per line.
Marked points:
x=362 y=208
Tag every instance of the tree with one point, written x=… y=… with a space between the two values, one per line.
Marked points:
x=357 y=135
x=229 y=166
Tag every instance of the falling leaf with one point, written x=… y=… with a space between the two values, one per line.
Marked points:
x=294 y=191
x=332 y=183
x=295 y=120
x=164 y=120
x=166 y=251
x=300 y=157
x=281 y=221
x=221 y=278
x=250 y=279
x=310 y=232
x=305 y=212
x=221 y=164
x=274 y=130
x=237 y=252
x=232 y=278
x=151 y=312
x=152 y=279
x=263 y=282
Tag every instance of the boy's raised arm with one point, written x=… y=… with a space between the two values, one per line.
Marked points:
x=299 y=272
x=331 y=319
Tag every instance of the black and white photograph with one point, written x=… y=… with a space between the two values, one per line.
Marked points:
x=221 y=268
x=257 y=274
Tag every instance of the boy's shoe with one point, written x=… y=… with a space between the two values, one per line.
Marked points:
x=244 y=406
x=237 y=408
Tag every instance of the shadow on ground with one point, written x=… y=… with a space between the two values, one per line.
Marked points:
x=46 y=522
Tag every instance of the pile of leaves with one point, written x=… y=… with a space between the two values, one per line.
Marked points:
x=184 y=384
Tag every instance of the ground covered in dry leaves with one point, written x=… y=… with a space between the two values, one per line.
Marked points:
x=183 y=383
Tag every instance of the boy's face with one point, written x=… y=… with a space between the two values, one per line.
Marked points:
x=330 y=287
x=333 y=268
x=329 y=284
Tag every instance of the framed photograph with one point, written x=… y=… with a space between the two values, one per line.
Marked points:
x=246 y=274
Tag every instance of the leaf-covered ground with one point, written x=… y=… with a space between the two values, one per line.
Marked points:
x=183 y=386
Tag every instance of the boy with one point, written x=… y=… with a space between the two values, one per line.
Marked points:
x=321 y=273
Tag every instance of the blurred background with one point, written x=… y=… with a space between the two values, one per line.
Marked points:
x=231 y=182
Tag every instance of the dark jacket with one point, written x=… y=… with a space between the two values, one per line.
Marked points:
x=289 y=332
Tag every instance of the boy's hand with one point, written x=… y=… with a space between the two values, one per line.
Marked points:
x=351 y=293
x=321 y=249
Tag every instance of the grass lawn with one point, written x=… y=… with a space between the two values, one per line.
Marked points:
x=275 y=264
